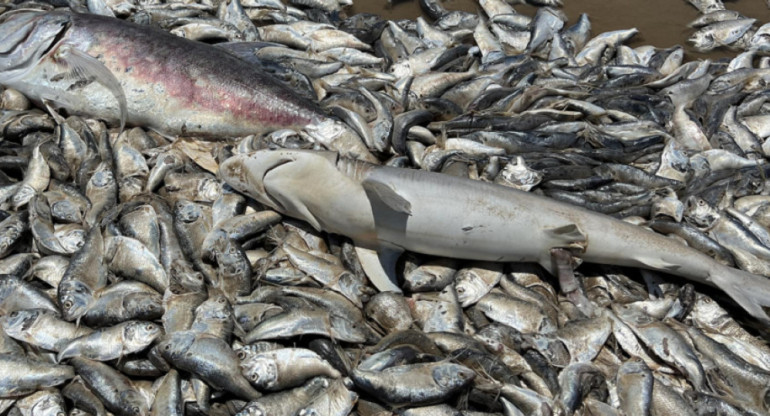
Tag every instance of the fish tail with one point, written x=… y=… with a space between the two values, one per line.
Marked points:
x=750 y=291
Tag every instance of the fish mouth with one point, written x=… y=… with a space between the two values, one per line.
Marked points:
x=276 y=165
x=29 y=36
x=280 y=162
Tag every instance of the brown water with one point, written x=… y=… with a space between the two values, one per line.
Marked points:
x=661 y=23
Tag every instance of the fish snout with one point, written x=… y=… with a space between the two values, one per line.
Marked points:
x=25 y=37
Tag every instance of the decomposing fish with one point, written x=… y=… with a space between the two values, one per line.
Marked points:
x=204 y=91
x=134 y=281
x=388 y=210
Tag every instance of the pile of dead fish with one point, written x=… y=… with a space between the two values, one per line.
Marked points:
x=134 y=282
x=718 y=27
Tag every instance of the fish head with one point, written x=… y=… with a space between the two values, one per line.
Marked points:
x=67 y=211
x=75 y=299
x=253 y=409
x=469 y=287
x=630 y=315
x=703 y=41
x=261 y=371
x=700 y=213
x=176 y=344
x=22 y=196
x=26 y=36
x=51 y=404
x=71 y=236
x=149 y=304
x=216 y=308
x=452 y=376
x=253 y=173
x=187 y=211
x=19 y=321
x=132 y=403
x=102 y=178
x=141 y=333
x=186 y=276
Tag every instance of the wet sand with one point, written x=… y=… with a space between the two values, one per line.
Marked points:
x=661 y=23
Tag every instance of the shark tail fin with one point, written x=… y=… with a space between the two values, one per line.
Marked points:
x=750 y=291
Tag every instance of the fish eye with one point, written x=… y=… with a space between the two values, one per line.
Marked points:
x=150 y=327
x=167 y=347
x=67 y=304
x=241 y=355
x=136 y=409
x=255 y=376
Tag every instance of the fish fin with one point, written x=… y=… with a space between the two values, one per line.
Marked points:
x=50 y=106
x=288 y=201
x=85 y=66
x=245 y=51
x=569 y=236
x=750 y=291
x=380 y=267
x=384 y=193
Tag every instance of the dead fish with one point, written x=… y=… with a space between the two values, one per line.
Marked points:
x=128 y=80
x=22 y=375
x=115 y=390
x=284 y=368
x=41 y=329
x=415 y=383
x=113 y=342
x=374 y=194
x=209 y=358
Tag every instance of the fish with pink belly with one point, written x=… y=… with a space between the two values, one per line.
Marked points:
x=136 y=75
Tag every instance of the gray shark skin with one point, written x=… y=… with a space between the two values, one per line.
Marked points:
x=389 y=210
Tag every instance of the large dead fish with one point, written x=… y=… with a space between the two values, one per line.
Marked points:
x=138 y=75
x=389 y=210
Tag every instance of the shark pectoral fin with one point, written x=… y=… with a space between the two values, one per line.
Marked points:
x=568 y=236
x=384 y=193
x=380 y=267
x=86 y=67
x=290 y=203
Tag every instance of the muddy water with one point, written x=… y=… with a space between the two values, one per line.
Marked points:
x=661 y=23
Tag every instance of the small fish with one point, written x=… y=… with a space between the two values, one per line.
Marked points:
x=209 y=358
x=415 y=383
x=22 y=375
x=113 y=342
x=116 y=391
x=284 y=368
